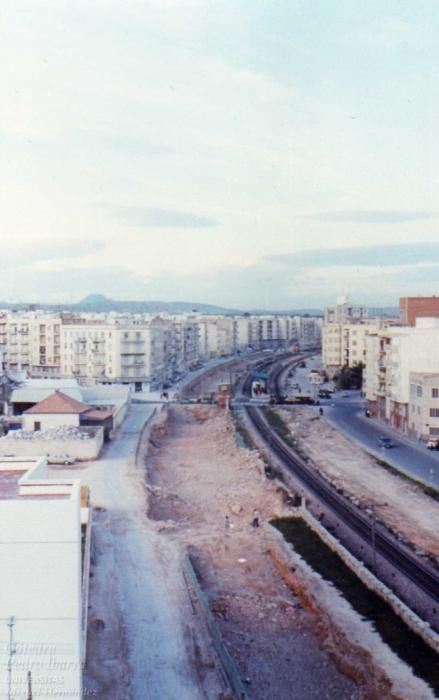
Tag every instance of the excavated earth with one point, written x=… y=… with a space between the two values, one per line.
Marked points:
x=196 y=475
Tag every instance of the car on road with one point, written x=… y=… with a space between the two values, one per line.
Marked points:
x=385 y=442
x=433 y=444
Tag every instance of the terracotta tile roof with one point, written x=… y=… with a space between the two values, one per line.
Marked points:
x=58 y=402
x=97 y=414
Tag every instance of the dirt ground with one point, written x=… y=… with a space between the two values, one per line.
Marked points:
x=368 y=483
x=196 y=477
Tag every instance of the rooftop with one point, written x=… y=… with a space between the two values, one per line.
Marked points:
x=28 y=479
x=58 y=402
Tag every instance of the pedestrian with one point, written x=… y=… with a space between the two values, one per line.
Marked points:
x=321 y=411
x=255 y=521
x=227 y=524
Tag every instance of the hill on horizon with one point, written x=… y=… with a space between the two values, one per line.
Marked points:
x=101 y=304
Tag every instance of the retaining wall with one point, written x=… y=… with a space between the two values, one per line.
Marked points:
x=412 y=620
x=357 y=647
x=81 y=450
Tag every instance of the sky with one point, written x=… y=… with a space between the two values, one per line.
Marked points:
x=249 y=153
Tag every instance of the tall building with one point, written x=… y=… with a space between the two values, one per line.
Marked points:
x=412 y=308
x=344 y=312
x=396 y=358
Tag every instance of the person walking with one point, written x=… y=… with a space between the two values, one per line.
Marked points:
x=255 y=521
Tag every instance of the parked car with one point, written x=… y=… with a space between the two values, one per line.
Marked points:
x=385 y=442
x=60 y=459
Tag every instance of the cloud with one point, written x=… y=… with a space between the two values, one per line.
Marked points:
x=146 y=217
x=374 y=217
x=48 y=250
x=376 y=256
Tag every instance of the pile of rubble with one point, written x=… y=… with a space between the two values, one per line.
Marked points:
x=63 y=432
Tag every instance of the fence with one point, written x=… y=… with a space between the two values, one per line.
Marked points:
x=218 y=642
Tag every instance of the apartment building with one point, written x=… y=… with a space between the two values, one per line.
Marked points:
x=117 y=350
x=273 y=332
x=393 y=355
x=412 y=308
x=42 y=639
x=424 y=405
x=307 y=332
x=31 y=342
x=344 y=312
x=186 y=342
x=217 y=336
x=344 y=344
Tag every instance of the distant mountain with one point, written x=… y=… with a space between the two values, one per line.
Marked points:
x=101 y=304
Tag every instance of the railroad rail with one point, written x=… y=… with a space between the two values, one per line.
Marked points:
x=424 y=576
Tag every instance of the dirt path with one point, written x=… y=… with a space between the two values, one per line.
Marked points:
x=197 y=476
x=142 y=642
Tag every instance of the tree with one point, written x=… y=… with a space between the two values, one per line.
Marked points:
x=350 y=377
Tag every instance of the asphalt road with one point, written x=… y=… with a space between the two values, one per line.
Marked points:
x=408 y=455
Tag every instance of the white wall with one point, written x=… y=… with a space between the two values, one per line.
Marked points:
x=50 y=420
x=40 y=550
x=82 y=450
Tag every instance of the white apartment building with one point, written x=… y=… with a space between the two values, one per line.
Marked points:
x=344 y=312
x=31 y=341
x=42 y=645
x=392 y=355
x=307 y=331
x=217 y=336
x=186 y=342
x=271 y=331
x=241 y=334
x=344 y=344
x=117 y=350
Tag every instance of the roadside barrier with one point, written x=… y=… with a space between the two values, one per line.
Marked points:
x=226 y=659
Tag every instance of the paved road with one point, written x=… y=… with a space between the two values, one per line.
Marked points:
x=407 y=455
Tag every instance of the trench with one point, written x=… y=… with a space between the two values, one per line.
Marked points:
x=391 y=628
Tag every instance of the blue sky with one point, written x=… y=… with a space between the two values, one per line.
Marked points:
x=249 y=153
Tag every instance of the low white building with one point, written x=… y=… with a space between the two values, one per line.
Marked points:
x=41 y=615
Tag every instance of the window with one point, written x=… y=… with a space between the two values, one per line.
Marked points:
x=37 y=425
x=418 y=390
x=435 y=393
x=434 y=412
x=434 y=431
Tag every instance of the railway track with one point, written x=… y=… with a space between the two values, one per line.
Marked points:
x=421 y=574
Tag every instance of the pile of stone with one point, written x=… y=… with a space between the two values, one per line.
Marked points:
x=63 y=432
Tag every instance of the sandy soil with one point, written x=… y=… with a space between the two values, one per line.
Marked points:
x=197 y=476
x=403 y=507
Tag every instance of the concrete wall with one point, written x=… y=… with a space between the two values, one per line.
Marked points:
x=40 y=550
x=81 y=450
x=49 y=420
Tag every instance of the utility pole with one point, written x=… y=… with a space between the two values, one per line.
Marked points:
x=373 y=533
x=12 y=650
x=29 y=686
